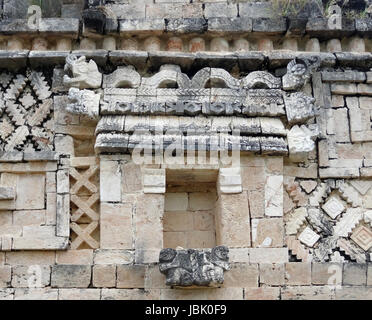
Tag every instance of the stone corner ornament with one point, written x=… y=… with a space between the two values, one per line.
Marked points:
x=85 y=75
x=190 y=267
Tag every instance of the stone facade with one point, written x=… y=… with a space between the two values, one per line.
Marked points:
x=274 y=113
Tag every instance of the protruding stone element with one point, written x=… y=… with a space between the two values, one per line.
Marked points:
x=88 y=44
x=300 y=142
x=299 y=72
x=290 y=44
x=83 y=102
x=334 y=45
x=362 y=236
x=299 y=107
x=241 y=45
x=175 y=44
x=230 y=180
x=40 y=44
x=196 y=45
x=313 y=45
x=154 y=180
x=265 y=45
x=219 y=45
x=152 y=44
x=129 y=44
x=15 y=44
x=357 y=45
x=84 y=75
x=309 y=237
x=64 y=44
x=333 y=207
x=190 y=267
x=109 y=43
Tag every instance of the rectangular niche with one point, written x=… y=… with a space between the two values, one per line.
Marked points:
x=190 y=209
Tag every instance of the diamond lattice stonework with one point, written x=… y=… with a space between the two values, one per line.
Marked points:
x=308 y=237
x=362 y=236
x=333 y=207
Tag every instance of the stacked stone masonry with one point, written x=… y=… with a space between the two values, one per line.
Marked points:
x=81 y=218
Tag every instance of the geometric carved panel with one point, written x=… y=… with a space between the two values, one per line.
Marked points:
x=84 y=190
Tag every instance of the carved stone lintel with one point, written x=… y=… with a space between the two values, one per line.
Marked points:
x=189 y=267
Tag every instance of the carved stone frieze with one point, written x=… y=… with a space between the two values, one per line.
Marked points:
x=185 y=268
x=210 y=103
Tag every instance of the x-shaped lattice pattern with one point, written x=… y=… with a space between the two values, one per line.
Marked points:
x=84 y=196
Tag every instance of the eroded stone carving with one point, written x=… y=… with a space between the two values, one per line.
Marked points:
x=301 y=142
x=83 y=102
x=190 y=267
x=299 y=72
x=299 y=107
x=85 y=75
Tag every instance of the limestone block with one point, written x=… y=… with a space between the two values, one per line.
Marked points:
x=29 y=218
x=64 y=144
x=353 y=293
x=70 y=276
x=110 y=181
x=176 y=202
x=131 y=276
x=130 y=294
x=6 y=294
x=154 y=180
x=262 y=293
x=365 y=89
x=132 y=178
x=79 y=294
x=35 y=294
x=29 y=197
x=116 y=226
x=257 y=203
x=113 y=257
x=199 y=201
x=148 y=221
x=298 y=273
x=7 y=193
x=237 y=255
x=154 y=279
x=344 y=89
x=268 y=232
x=5 y=277
x=28 y=258
x=274 y=196
x=63 y=182
x=242 y=275
x=272 y=274
x=220 y=10
x=232 y=223
x=326 y=274
x=369 y=275
x=147 y=256
x=355 y=274
x=308 y=293
x=31 y=276
x=178 y=221
x=79 y=257
x=230 y=180
x=268 y=255
x=104 y=276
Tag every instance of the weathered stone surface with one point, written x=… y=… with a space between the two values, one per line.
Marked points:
x=192 y=267
x=355 y=274
x=298 y=273
x=116 y=226
x=79 y=294
x=104 y=276
x=242 y=275
x=71 y=276
x=131 y=276
x=31 y=276
x=272 y=274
